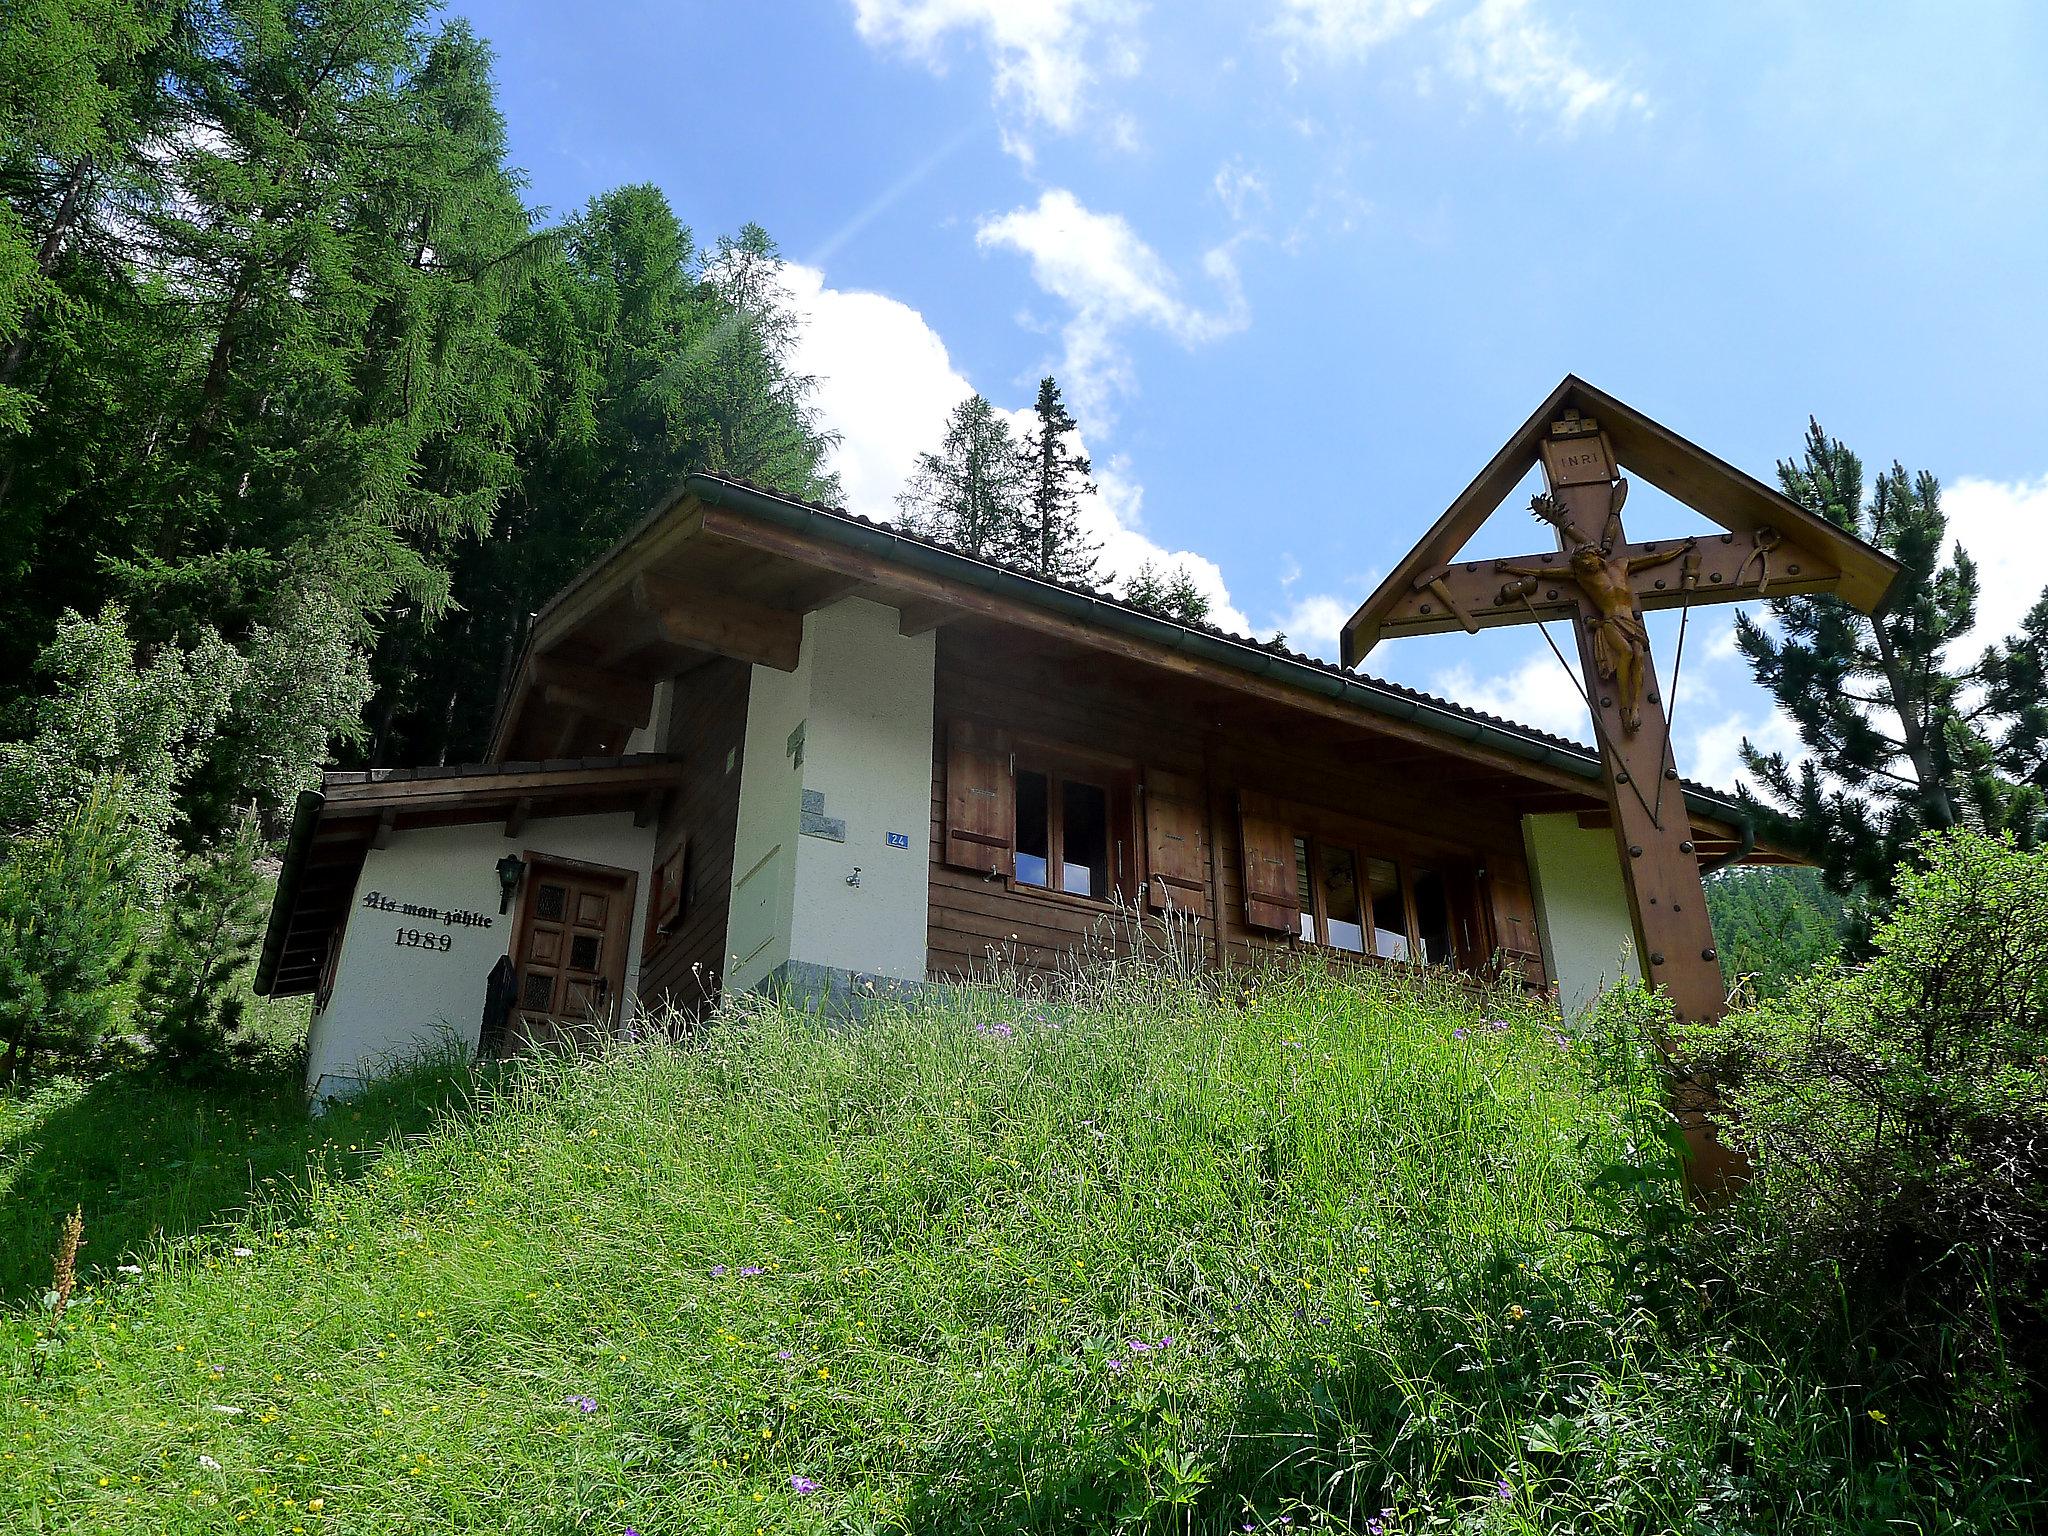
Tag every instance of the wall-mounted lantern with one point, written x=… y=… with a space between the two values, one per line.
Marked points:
x=510 y=868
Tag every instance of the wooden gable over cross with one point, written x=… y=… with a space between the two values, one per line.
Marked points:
x=1767 y=546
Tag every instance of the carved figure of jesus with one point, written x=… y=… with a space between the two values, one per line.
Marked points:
x=1620 y=642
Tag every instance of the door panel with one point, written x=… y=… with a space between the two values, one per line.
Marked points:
x=570 y=953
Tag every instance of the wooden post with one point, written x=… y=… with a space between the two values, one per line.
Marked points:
x=1660 y=868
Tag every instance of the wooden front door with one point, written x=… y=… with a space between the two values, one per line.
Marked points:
x=571 y=953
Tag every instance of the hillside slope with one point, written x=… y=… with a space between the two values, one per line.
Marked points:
x=1307 y=1256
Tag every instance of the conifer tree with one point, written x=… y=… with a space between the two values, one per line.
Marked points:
x=191 y=1004
x=1049 y=536
x=970 y=493
x=1168 y=591
x=652 y=360
x=1901 y=736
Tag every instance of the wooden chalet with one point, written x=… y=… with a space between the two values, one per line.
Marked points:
x=762 y=743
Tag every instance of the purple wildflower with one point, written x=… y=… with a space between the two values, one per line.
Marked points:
x=785 y=1354
x=718 y=1271
x=1139 y=1345
x=1499 y=1026
x=1375 y=1528
x=748 y=1271
x=587 y=1404
x=800 y=1485
x=1115 y=1367
x=1502 y=1491
x=1460 y=1033
x=1167 y=1342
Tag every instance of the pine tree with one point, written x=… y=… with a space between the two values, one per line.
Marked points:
x=192 y=1002
x=972 y=492
x=1049 y=537
x=1168 y=591
x=1901 y=738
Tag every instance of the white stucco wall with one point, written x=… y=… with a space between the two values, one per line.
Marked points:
x=391 y=1002
x=862 y=694
x=1581 y=908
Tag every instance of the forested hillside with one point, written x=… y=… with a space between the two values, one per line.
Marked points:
x=292 y=364
x=303 y=410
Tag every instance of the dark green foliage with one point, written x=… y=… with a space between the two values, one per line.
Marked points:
x=69 y=918
x=1773 y=924
x=1049 y=537
x=1901 y=737
x=972 y=491
x=270 y=378
x=1169 y=592
x=193 y=986
x=1897 y=1115
x=651 y=362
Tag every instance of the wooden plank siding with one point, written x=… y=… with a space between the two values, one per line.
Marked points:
x=707 y=721
x=1372 y=789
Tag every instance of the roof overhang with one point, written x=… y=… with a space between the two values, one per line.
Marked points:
x=726 y=569
x=1734 y=501
x=335 y=827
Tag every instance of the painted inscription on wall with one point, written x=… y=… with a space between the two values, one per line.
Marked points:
x=413 y=937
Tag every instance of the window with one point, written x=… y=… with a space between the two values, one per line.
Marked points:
x=1359 y=904
x=1063 y=832
x=1389 y=914
x=1433 y=917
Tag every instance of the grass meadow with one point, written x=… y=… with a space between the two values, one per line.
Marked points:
x=1318 y=1253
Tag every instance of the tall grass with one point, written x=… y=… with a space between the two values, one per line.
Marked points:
x=1320 y=1251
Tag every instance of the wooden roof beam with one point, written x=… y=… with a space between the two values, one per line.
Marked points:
x=768 y=637
x=594 y=691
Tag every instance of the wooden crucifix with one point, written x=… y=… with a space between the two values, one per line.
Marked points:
x=1762 y=545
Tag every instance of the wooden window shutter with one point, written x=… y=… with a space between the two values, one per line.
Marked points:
x=1176 y=843
x=1266 y=841
x=980 y=803
x=1514 y=922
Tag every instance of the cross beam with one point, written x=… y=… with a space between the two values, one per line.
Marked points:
x=1471 y=595
x=1765 y=545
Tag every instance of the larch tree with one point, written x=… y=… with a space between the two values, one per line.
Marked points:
x=971 y=492
x=1902 y=736
x=653 y=360
x=1050 y=539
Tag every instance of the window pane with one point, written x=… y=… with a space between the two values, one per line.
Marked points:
x=1340 y=900
x=1433 y=916
x=1034 y=829
x=1389 y=917
x=1304 y=890
x=1084 y=839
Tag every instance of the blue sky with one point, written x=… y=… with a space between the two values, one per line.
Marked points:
x=1302 y=265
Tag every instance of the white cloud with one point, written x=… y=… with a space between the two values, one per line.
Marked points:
x=2004 y=526
x=886 y=384
x=1238 y=188
x=1110 y=279
x=1504 y=47
x=1716 y=755
x=1539 y=692
x=1344 y=29
x=1045 y=54
x=1314 y=622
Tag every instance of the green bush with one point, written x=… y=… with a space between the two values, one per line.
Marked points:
x=69 y=920
x=1897 y=1115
